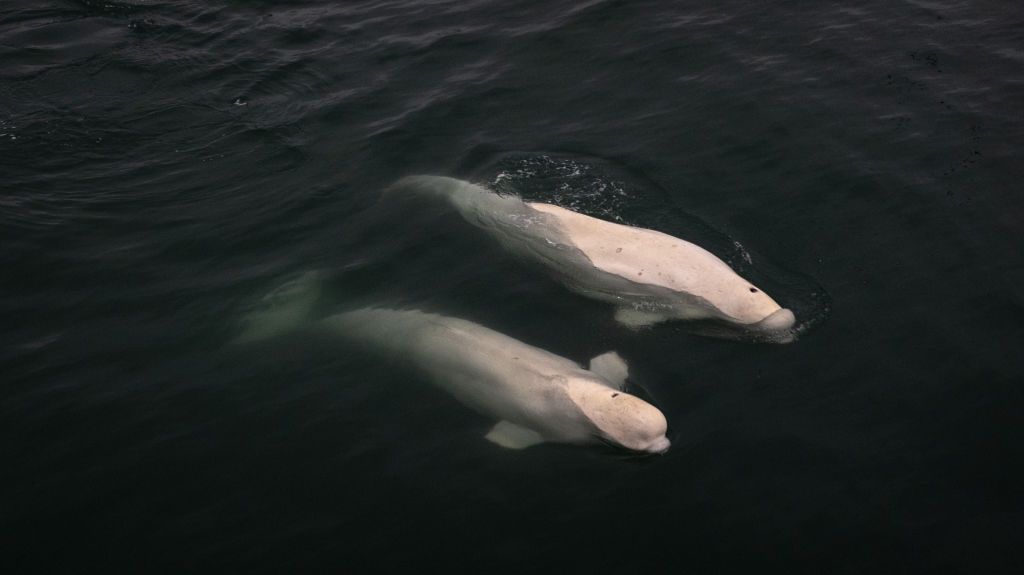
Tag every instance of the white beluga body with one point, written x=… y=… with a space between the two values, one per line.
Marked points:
x=648 y=275
x=533 y=395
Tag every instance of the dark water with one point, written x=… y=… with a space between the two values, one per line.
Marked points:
x=162 y=164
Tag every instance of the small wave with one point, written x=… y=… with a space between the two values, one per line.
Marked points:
x=562 y=181
x=108 y=7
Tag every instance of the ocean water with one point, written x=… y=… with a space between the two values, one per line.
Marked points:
x=163 y=164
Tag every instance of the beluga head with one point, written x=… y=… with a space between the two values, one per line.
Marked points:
x=740 y=310
x=620 y=419
x=755 y=309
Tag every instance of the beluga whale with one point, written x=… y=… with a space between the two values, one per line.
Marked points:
x=533 y=395
x=649 y=276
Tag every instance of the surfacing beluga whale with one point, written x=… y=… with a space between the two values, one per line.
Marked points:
x=534 y=395
x=648 y=275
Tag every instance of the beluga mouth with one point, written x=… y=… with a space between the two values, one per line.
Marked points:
x=779 y=320
x=659 y=446
x=777 y=327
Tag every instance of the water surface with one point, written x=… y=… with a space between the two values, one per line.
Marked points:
x=163 y=164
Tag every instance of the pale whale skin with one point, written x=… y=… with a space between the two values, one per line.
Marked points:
x=533 y=395
x=510 y=381
x=649 y=275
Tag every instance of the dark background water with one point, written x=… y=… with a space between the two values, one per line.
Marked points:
x=162 y=164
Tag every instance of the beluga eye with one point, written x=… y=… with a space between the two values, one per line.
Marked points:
x=753 y=290
x=615 y=395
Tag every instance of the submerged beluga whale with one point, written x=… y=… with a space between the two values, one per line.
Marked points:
x=648 y=275
x=535 y=396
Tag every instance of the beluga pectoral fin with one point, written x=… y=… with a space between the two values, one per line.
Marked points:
x=612 y=368
x=636 y=319
x=512 y=436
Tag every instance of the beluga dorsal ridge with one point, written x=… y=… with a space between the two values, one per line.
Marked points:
x=650 y=276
